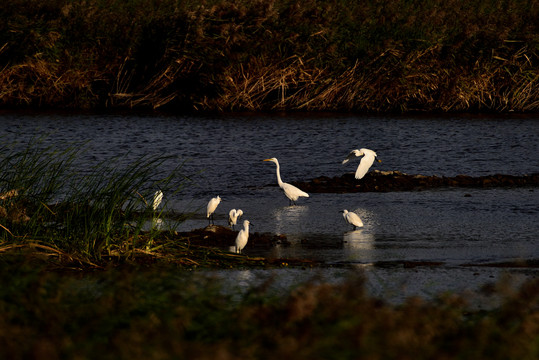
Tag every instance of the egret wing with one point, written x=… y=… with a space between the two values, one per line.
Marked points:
x=292 y=192
x=157 y=198
x=354 y=219
x=232 y=217
x=364 y=165
x=351 y=155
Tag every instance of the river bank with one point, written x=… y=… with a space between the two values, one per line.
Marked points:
x=436 y=56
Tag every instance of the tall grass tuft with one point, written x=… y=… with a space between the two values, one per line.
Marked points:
x=91 y=213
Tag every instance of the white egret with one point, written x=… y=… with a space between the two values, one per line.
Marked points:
x=212 y=205
x=366 y=162
x=352 y=218
x=157 y=198
x=233 y=217
x=243 y=236
x=291 y=192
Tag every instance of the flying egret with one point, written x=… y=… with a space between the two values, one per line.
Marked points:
x=291 y=192
x=157 y=198
x=212 y=205
x=242 y=237
x=366 y=162
x=352 y=218
x=233 y=217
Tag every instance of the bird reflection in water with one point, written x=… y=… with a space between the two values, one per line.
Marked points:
x=358 y=245
x=289 y=219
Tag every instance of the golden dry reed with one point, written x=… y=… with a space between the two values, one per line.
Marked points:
x=308 y=55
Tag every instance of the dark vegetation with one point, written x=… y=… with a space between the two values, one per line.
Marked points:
x=222 y=55
x=160 y=313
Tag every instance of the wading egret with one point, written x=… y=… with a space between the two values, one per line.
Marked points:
x=352 y=218
x=233 y=217
x=291 y=192
x=366 y=162
x=243 y=236
x=157 y=198
x=212 y=205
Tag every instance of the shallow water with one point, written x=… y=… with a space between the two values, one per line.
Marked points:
x=224 y=155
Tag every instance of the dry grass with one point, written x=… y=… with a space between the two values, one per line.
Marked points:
x=390 y=55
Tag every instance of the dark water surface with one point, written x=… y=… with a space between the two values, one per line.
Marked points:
x=453 y=226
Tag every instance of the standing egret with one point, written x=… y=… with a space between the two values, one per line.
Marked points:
x=291 y=192
x=352 y=218
x=233 y=217
x=157 y=198
x=366 y=162
x=242 y=237
x=212 y=205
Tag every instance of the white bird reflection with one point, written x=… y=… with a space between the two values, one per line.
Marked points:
x=358 y=245
x=157 y=223
x=288 y=219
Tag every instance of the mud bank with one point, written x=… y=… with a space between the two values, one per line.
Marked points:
x=385 y=181
x=224 y=237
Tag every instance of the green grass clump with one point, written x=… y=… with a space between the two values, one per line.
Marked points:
x=46 y=200
x=164 y=313
x=390 y=55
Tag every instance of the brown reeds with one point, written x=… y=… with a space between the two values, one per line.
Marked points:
x=394 y=82
x=374 y=56
x=40 y=83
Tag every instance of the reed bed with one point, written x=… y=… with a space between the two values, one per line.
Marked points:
x=222 y=55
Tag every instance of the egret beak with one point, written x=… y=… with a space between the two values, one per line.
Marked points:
x=266 y=160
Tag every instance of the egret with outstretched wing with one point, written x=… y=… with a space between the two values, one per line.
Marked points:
x=366 y=162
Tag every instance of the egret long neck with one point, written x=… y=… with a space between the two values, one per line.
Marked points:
x=278 y=170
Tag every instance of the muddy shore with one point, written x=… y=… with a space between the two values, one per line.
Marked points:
x=385 y=181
